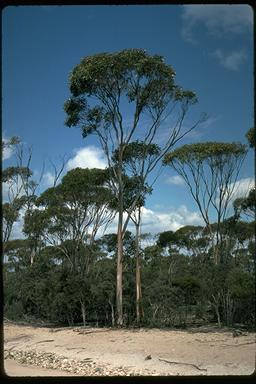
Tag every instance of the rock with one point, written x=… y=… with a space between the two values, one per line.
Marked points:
x=99 y=370
x=148 y=357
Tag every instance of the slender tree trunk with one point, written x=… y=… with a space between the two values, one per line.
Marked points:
x=138 y=290
x=119 y=270
x=138 y=271
x=216 y=302
x=218 y=316
x=83 y=313
x=214 y=246
x=112 y=313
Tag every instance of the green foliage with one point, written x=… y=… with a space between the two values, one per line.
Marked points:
x=241 y=283
x=251 y=135
x=178 y=289
x=217 y=153
x=136 y=150
x=246 y=205
x=73 y=279
x=13 y=172
x=141 y=78
x=11 y=211
x=166 y=238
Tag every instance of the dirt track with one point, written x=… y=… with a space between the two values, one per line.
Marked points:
x=108 y=352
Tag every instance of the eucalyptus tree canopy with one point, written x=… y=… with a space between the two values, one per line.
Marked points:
x=210 y=170
x=107 y=88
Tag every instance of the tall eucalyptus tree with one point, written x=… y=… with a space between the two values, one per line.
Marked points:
x=109 y=88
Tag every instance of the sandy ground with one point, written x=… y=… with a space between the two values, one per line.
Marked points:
x=12 y=368
x=144 y=351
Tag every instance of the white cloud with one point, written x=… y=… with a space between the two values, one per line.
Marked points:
x=218 y=19
x=88 y=157
x=237 y=189
x=7 y=153
x=163 y=218
x=166 y=219
x=242 y=187
x=17 y=232
x=7 y=150
x=175 y=219
x=11 y=190
x=231 y=60
x=5 y=189
x=176 y=180
x=48 y=179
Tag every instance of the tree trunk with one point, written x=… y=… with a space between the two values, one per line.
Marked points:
x=112 y=313
x=216 y=303
x=139 y=311
x=119 y=270
x=83 y=313
x=228 y=305
x=218 y=316
x=214 y=246
x=138 y=290
x=32 y=257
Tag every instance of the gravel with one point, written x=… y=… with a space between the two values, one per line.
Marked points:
x=85 y=367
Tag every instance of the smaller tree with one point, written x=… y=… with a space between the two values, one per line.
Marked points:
x=247 y=205
x=69 y=217
x=19 y=189
x=210 y=170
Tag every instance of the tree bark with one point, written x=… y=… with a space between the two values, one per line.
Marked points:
x=216 y=302
x=83 y=313
x=112 y=313
x=139 y=311
x=119 y=270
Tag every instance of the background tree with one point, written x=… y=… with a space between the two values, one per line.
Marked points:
x=69 y=218
x=18 y=186
x=210 y=170
x=73 y=211
x=107 y=85
x=247 y=205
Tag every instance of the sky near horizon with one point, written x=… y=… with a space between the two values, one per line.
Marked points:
x=209 y=46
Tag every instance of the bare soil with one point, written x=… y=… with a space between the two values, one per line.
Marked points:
x=38 y=351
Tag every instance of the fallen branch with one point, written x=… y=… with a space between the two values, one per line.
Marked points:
x=237 y=345
x=44 y=341
x=211 y=341
x=177 y=362
x=69 y=349
x=56 y=330
x=93 y=331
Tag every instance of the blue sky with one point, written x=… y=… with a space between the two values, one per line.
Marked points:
x=209 y=46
